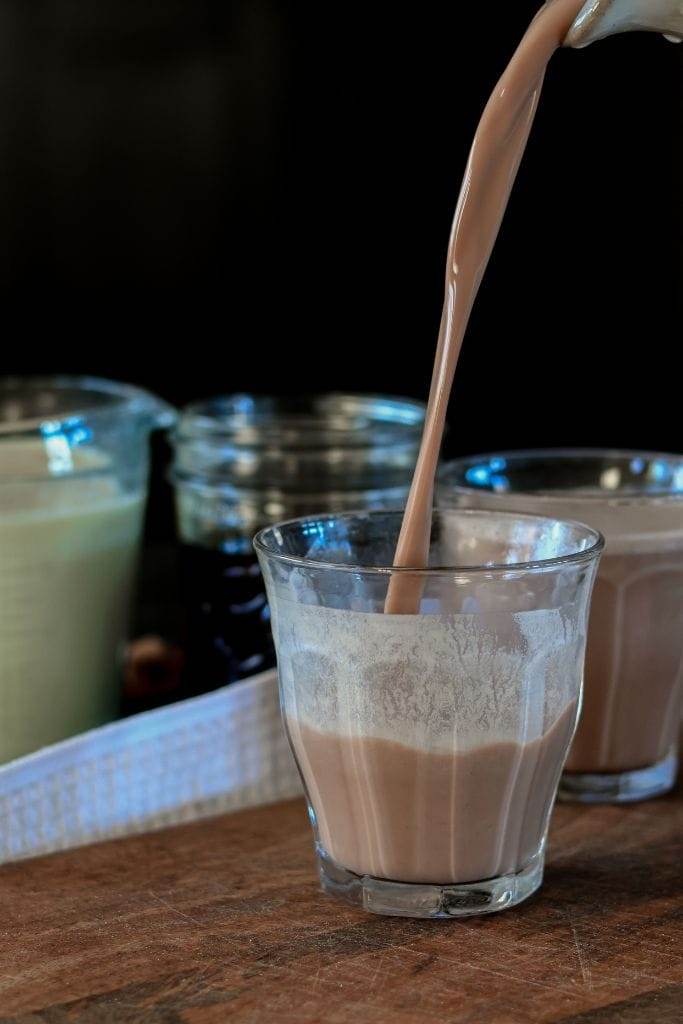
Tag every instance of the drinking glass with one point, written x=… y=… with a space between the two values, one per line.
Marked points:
x=626 y=743
x=430 y=744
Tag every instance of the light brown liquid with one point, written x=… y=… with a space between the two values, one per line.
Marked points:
x=634 y=669
x=398 y=812
x=495 y=156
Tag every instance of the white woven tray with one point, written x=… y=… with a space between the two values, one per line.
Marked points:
x=219 y=752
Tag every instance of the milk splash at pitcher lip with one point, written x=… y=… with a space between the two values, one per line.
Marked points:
x=598 y=19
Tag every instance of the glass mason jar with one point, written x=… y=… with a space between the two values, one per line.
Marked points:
x=431 y=743
x=242 y=462
x=626 y=745
x=74 y=459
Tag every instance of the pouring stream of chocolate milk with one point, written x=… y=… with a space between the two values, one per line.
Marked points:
x=491 y=169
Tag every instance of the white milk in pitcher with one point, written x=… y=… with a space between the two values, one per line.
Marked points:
x=68 y=553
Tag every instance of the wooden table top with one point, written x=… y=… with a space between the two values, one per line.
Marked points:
x=223 y=920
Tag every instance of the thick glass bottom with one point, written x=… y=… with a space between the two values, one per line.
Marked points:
x=407 y=899
x=620 y=787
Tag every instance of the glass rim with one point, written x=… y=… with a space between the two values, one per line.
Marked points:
x=559 y=454
x=226 y=417
x=496 y=568
x=53 y=427
x=133 y=399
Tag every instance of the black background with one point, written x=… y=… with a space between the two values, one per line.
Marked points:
x=208 y=196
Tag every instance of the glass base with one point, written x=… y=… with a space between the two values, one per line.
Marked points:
x=620 y=787
x=406 y=899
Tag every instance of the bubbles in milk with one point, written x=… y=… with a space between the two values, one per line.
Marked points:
x=437 y=682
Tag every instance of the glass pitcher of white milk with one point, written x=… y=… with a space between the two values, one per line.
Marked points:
x=74 y=455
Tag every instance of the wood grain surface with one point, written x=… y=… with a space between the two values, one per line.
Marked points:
x=222 y=920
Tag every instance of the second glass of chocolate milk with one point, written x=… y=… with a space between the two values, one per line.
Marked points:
x=430 y=744
x=626 y=745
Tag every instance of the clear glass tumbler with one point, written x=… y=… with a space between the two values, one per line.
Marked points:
x=430 y=744
x=626 y=742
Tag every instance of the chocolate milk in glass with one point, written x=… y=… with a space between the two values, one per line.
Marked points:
x=633 y=688
x=395 y=811
x=431 y=745
x=634 y=659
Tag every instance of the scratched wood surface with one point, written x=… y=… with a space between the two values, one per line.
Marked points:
x=222 y=920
